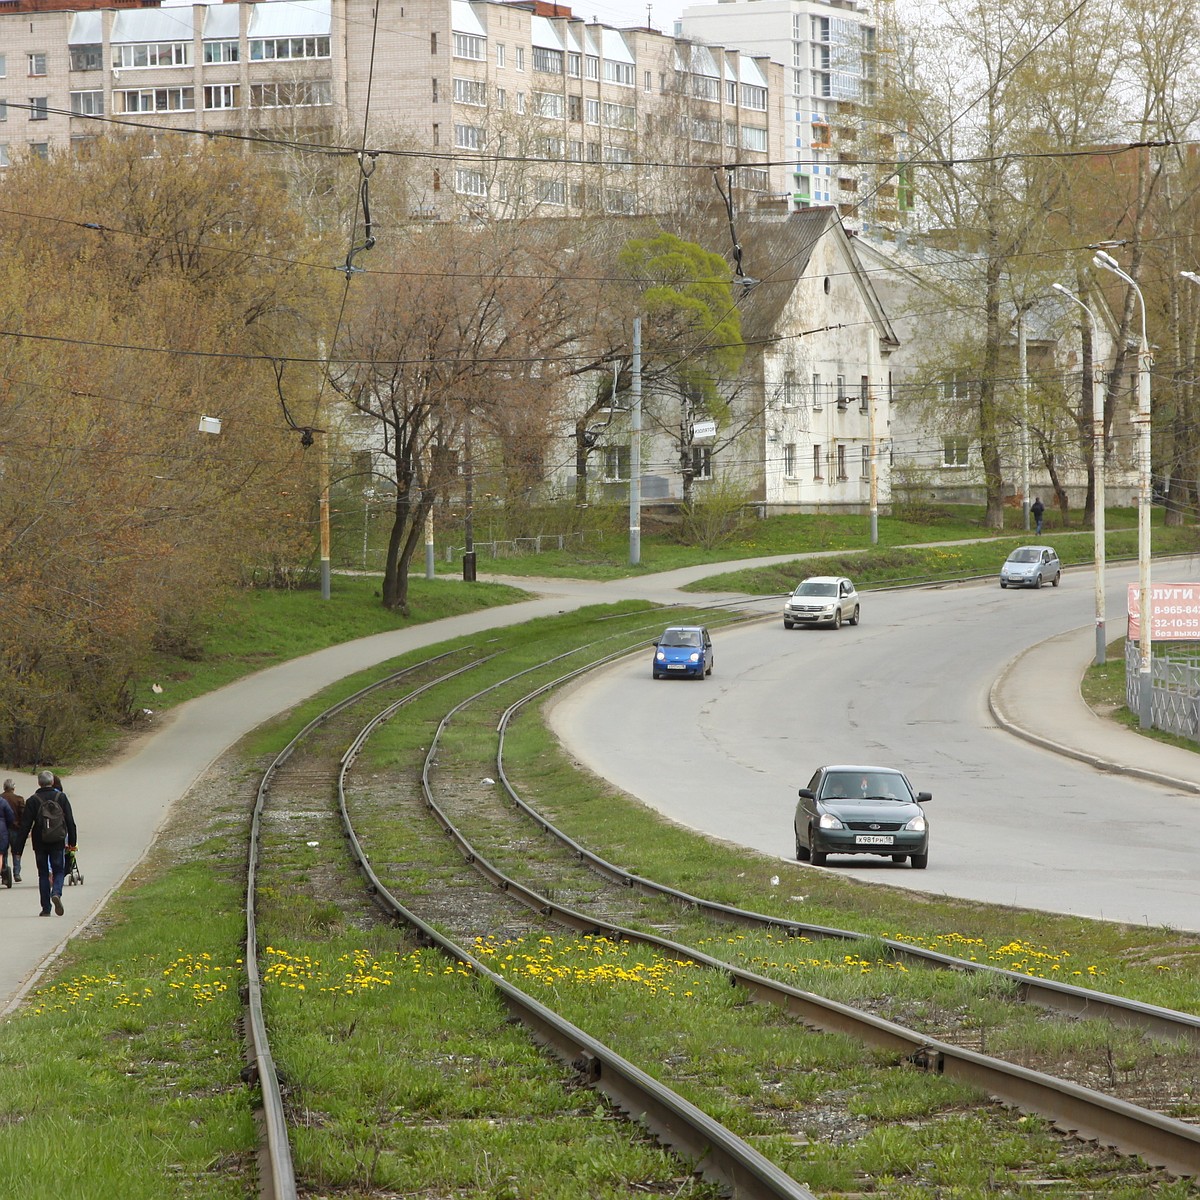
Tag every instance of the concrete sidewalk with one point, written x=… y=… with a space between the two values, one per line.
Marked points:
x=1037 y=697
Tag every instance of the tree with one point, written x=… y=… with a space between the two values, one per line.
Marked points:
x=692 y=341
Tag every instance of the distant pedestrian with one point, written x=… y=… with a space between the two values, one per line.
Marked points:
x=1037 y=509
x=17 y=803
x=8 y=827
x=49 y=819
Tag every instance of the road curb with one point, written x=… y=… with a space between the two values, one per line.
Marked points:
x=1010 y=726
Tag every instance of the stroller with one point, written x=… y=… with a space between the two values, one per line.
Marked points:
x=74 y=875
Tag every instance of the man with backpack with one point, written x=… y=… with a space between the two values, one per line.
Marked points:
x=49 y=819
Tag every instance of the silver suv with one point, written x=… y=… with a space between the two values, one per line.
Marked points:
x=822 y=600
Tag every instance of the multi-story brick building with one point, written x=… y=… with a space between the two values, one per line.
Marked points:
x=509 y=107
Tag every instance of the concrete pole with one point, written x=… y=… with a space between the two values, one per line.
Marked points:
x=1098 y=466
x=323 y=508
x=430 y=572
x=1022 y=357
x=635 y=450
x=872 y=467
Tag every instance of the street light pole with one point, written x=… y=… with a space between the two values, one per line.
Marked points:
x=1142 y=422
x=1098 y=464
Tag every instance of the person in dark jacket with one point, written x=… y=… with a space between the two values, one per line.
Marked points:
x=1038 y=510
x=8 y=829
x=50 y=856
x=17 y=803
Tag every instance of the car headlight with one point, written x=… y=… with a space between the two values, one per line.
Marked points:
x=829 y=821
x=694 y=656
x=661 y=656
x=916 y=825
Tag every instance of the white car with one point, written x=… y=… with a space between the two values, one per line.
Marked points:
x=1031 y=566
x=822 y=600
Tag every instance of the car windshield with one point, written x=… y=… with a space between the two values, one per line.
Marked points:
x=680 y=637
x=817 y=587
x=1026 y=554
x=865 y=785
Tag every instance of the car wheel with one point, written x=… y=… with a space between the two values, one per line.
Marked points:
x=1003 y=584
x=815 y=856
x=801 y=850
x=1037 y=580
x=1057 y=577
x=854 y=619
x=899 y=858
x=920 y=861
x=787 y=624
x=837 y=619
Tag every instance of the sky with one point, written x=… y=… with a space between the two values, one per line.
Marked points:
x=630 y=12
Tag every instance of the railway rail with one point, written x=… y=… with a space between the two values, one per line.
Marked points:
x=1165 y=1141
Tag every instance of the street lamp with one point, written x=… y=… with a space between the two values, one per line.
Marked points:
x=1098 y=457
x=1142 y=423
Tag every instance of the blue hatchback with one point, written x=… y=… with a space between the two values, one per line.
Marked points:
x=683 y=650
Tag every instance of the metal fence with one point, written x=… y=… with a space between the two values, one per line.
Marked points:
x=1174 y=684
x=517 y=547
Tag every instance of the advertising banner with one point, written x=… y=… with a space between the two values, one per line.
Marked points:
x=1174 y=612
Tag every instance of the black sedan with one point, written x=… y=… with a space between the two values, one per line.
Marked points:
x=861 y=810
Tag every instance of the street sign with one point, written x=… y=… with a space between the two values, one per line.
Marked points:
x=1174 y=612
x=704 y=429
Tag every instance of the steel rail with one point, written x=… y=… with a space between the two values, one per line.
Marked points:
x=1047 y=993
x=277 y=1176
x=1083 y=1112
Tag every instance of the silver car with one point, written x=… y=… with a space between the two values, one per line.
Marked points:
x=822 y=600
x=1031 y=566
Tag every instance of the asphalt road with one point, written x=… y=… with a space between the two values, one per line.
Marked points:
x=1011 y=823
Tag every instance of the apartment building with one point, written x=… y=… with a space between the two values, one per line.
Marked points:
x=510 y=108
x=830 y=53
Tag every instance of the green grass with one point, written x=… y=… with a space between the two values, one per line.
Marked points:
x=260 y=628
x=606 y=555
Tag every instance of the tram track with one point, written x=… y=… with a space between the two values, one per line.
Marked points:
x=573 y=888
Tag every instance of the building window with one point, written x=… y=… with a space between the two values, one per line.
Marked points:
x=820 y=134
x=501 y=98
x=552 y=148
x=552 y=191
x=591 y=112
x=468 y=137
x=647 y=81
x=468 y=45
x=3 y=110
x=619 y=72
x=620 y=116
x=226 y=51
x=842 y=398
x=574 y=64
x=521 y=102
x=592 y=66
x=87 y=104
x=86 y=58
x=955 y=451
x=148 y=100
x=437 y=134
x=866 y=462
x=616 y=464
x=864 y=393
x=40 y=150
x=519 y=57
x=701 y=462
x=841 y=462
x=791 y=390
x=433 y=43
x=39 y=108
x=37 y=63
x=500 y=54
x=816 y=389
x=3 y=67
x=705 y=131
x=470 y=91
x=754 y=97
x=152 y=54
x=469 y=183
x=291 y=94
x=222 y=95
x=435 y=90
x=753 y=138
x=548 y=104
x=789 y=460
x=548 y=61
x=4 y=159
x=816 y=461
x=275 y=49
x=574 y=108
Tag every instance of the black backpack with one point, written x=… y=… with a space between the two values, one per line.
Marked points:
x=52 y=821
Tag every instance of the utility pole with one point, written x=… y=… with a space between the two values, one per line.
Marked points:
x=1023 y=371
x=635 y=449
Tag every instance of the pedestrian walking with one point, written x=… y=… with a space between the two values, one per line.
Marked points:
x=49 y=820
x=17 y=803
x=7 y=829
x=1037 y=509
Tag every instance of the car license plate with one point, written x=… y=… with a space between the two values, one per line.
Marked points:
x=676 y=667
x=874 y=839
